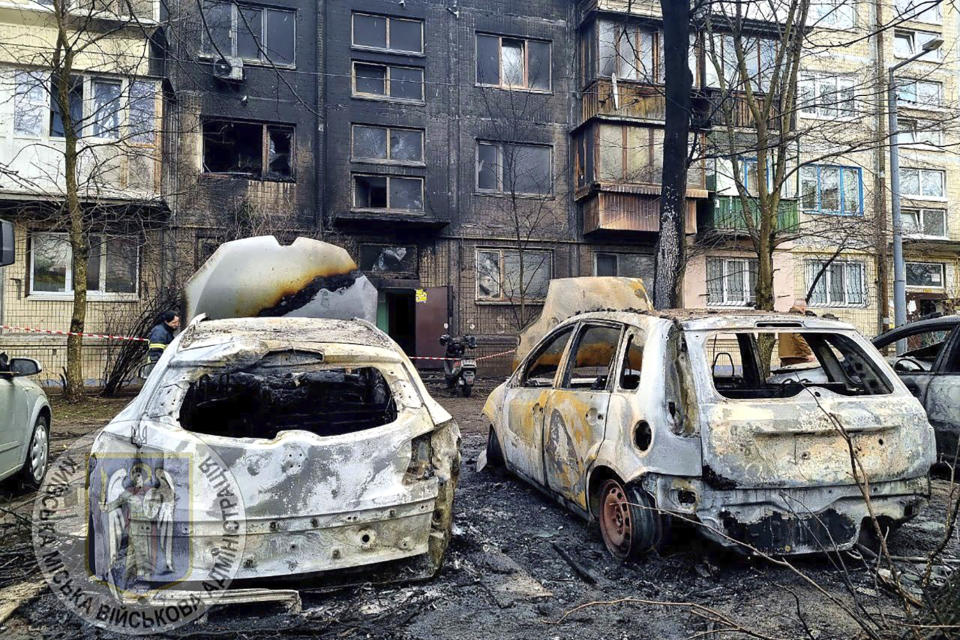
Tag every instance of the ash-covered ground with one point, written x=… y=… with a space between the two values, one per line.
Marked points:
x=505 y=578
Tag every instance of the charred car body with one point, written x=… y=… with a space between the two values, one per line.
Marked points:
x=636 y=419
x=342 y=458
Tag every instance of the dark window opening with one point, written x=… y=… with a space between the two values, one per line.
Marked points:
x=589 y=366
x=75 y=104
x=392 y=34
x=370 y=192
x=371 y=79
x=252 y=33
x=248 y=148
x=279 y=151
x=269 y=398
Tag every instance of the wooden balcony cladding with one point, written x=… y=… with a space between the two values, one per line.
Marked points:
x=629 y=212
x=638 y=101
x=735 y=107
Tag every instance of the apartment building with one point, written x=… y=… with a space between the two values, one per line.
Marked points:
x=116 y=106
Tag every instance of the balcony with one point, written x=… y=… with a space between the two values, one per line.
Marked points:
x=727 y=215
x=618 y=211
x=637 y=101
x=717 y=111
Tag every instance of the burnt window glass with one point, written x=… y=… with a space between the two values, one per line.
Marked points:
x=281 y=36
x=388 y=259
x=370 y=192
x=539 y=72
x=488 y=59
x=589 y=365
x=406 y=145
x=371 y=79
x=406 y=194
x=75 y=103
x=249 y=30
x=94 y=247
x=232 y=147
x=406 y=83
x=280 y=151
x=218 y=19
x=606 y=264
x=406 y=35
x=487 y=167
x=369 y=142
x=512 y=62
x=369 y=31
x=527 y=169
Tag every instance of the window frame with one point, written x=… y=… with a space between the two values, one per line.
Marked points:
x=915 y=82
x=842 y=211
x=921 y=215
x=265 y=175
x=503 y=298
x=500 y=191
x=365 y=174
x=388 y=160
x=919 y=196
x=208 y=51
x=835 y=8
x=526 y=62
x=749 y=299
x=386 y=97
x=827 y=280
x=916 y=45
x=904 y=13
x=653 y=76
x=913 y=128
x=569 y=362
x=609 y=254
x=92 y=294
x=818 y=110
x=943 y=275
x=388 y=48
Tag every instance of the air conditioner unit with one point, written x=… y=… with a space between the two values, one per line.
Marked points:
x=228 y=68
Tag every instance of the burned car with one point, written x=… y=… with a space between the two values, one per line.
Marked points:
x=638 y=420
x=341 y=457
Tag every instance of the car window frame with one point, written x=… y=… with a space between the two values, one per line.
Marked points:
x=630 y=331
x=567 y=362
x=951 y=345
x=523 y=369
x=953 y=337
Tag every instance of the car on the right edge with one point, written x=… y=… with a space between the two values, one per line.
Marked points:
x=930 y=369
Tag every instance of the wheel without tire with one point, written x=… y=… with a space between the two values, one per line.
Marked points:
x=38 y=452
x=629 y=522
x=494 y=452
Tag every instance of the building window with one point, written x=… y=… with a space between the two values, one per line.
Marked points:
x=907 y=44
x=830 y=189
x=512 y=168
x=251 y=149
x=143 y=112
x=106 y=109
x=926 y=274
x=499 y=277
x=731 y=282
x=919 y=11
x=922 y=183
x=925 y=222
x=760 y=56
x=387 y=33
x=112 y=265
x=836 y=14
x=393 y=259
x=29 y=103
x=827 y=96
x=920 y=93
x=254 y=33
x=387 y=81
x=841 y=284
x=624 y=265
x=75 y=106
x=394 y=193
x=630 y=51
x=387 y=144
x=513 y=63
x=922 y=132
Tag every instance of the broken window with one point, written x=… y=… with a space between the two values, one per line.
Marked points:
x=544 y=363
x=731 y=282
x=112 y=264
x=253 y=149
x=388 y=33
x=632 y=362
x=390 y=144
x=388 y=259
x=254 y=33
x=524 y=169
x=499 y=275
x=513 y=63
x=398 y=83
x=75 y=104
x=388 y=192
x=589 y=366
x=837 y=363
x=30 y=103
x=288 y=391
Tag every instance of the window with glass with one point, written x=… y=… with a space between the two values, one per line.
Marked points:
x=827 y=96
x=919 y=11
x=760 y=55
x=923 y=132
x=394 y=193
x=625 y=265
x=371 y=143
x=74 y=105
x=251 y=32
x=513 y=63
x=831 y=189
x=924 y=222
x=30 y=102
x=922 y=183
x=907 y=44
x=835 y=14
x=630 y=51
x=920 y=93
x=514 y=168
x=926 y=274
x=252 y=149
x=112 y=265
x=731 y=282
x=387 y=33
x=387 y=81
x=499 y=277
x=838 y=283
x=107 y=108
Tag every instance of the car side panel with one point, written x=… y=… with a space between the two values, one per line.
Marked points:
x=13 y=416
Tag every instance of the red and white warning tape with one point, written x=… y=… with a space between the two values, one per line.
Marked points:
x=54 y=332
x=492 y=355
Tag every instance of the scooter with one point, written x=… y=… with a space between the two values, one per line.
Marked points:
x=457 y=370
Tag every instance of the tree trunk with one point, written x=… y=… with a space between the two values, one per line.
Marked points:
x=670 y=258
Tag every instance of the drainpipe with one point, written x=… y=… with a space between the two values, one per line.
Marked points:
x=879 y=186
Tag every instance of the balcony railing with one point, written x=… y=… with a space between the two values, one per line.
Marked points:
x=642 y=102
x=617 y=211
x=728 y=214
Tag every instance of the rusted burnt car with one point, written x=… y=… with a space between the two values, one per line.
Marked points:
x=639 y=420
x=342 y=458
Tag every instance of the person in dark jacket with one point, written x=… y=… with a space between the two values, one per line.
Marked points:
x=162 y=334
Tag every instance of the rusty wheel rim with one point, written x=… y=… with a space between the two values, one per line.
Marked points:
x=616 y=523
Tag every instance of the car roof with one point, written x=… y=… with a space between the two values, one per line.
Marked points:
x=710 y=319
x=944 y=323
x=303 y=330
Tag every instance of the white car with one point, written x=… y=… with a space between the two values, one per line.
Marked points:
x=24 y=422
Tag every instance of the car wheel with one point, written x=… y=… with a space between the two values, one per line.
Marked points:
x=629 y=521
x=494 y=452
x=466 y=390
x=38 y=453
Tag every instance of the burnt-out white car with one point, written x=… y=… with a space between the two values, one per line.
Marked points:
x=636 y=420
